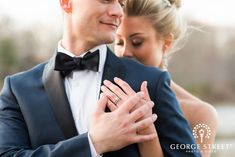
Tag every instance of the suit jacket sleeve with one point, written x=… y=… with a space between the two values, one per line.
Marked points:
x=171 y=125
x=14 y=138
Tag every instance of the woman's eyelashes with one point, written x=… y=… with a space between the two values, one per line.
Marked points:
x=137 y=42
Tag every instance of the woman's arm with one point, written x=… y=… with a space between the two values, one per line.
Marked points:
x=150 y=148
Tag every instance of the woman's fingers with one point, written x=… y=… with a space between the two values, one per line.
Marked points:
x=144 y=89
x=121 y=91
x=124 y=86
x=114 y=98
x=115 y=89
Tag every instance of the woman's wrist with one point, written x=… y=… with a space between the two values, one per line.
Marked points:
x=148 y=130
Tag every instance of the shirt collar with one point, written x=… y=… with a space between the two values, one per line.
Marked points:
x=102 y=49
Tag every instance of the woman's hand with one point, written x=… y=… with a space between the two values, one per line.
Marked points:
x=117 y=94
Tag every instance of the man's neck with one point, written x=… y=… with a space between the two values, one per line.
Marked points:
x=77 y=48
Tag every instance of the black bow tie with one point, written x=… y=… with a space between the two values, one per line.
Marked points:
x=66 y=64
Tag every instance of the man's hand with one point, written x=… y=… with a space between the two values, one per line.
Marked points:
x=114 y=130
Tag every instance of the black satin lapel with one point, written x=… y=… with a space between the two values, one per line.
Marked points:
x=113 y=68
x=55 y=89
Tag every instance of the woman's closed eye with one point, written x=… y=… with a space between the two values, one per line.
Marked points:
x=137 y=42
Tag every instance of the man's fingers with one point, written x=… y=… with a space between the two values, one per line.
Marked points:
x=131 y=102
x=125 y=86
x=102 y=103
x=141 y=111
x=144 y=89
x=140 y=125
x=111 y=96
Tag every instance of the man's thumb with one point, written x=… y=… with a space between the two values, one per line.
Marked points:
x=102 y=103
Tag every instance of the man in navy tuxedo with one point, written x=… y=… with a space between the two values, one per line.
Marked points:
x=45 y=111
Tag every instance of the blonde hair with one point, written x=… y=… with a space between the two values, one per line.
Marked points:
x=164 y=15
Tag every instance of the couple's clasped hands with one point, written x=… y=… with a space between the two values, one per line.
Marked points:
x=130 y=120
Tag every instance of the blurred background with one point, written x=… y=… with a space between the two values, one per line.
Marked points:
x=205 y=65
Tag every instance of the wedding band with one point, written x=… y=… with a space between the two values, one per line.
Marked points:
x=116 y=100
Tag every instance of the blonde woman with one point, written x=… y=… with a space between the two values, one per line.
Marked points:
x=149 y=32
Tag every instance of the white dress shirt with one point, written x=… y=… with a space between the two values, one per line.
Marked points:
x=82 y=89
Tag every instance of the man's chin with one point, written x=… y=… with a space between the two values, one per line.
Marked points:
x=109 y=39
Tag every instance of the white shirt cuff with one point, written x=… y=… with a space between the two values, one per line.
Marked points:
x=92 y=148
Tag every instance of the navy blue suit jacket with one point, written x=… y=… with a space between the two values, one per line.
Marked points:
x=36 y=120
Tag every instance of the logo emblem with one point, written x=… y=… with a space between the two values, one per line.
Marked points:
x=201 y=131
